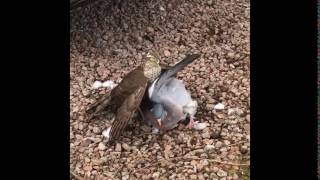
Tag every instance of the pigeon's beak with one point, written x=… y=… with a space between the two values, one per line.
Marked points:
x=159 y=122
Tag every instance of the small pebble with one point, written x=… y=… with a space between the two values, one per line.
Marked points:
x=209 y=148
x=118 y=147
x=205 y=135
x=235 y=176
x=167 y=53
x=201 y=177
x=210 y=107
x=244 y=149
x=87 y=160
x=87 y=168
x=101 y=146
x=218 y=144
x=156 y=175
x=193 y=162
x=126 y=147
x=221 y=173
x=150 y=29
x=96 y=130
x=193 y=176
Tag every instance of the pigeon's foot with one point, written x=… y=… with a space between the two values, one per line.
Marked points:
x=191 y=123
x=159 y=122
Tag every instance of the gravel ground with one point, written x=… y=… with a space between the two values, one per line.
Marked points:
x=105 y=45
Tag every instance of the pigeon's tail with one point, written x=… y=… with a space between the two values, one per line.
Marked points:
x=178 y=67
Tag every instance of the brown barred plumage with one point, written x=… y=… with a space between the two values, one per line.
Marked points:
x=126 y=97
x=126 y=112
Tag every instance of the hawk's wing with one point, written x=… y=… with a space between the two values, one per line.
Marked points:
x=116 y=97
x=126 y=112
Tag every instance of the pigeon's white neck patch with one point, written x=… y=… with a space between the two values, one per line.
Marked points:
x=151 y=89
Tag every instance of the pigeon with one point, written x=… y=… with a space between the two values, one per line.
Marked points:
x=169 y=101
x=126 y=97
x=172 y=104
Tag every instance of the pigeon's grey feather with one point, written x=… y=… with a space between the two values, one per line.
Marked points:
x=157 y=110
x=169 y=99
x=174 y=102
x=171 y=72
x=176 y=68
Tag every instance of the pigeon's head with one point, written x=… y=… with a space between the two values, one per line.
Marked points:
x=152 y=68
x=159 y=113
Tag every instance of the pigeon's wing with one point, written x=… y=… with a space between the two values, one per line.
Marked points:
x=171 y=107
x=126 y=112
x=146 y=103
x=171 y=88
x=172 y=71
x=174 y=113
x=178 y=92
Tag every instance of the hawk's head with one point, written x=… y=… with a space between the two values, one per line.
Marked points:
x=152 y=68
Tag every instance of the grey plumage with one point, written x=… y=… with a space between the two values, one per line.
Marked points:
x=157 y=110
x=171 y=101
x=173 y=104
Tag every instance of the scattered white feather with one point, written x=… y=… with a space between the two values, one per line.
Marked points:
x=106 y=132
x=200 y=126
x=219 y=106
x=155 y=130
x=96 y=85
x=109 y=84
x=161 y=8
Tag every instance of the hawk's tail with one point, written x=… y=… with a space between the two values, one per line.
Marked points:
x=98 y=106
